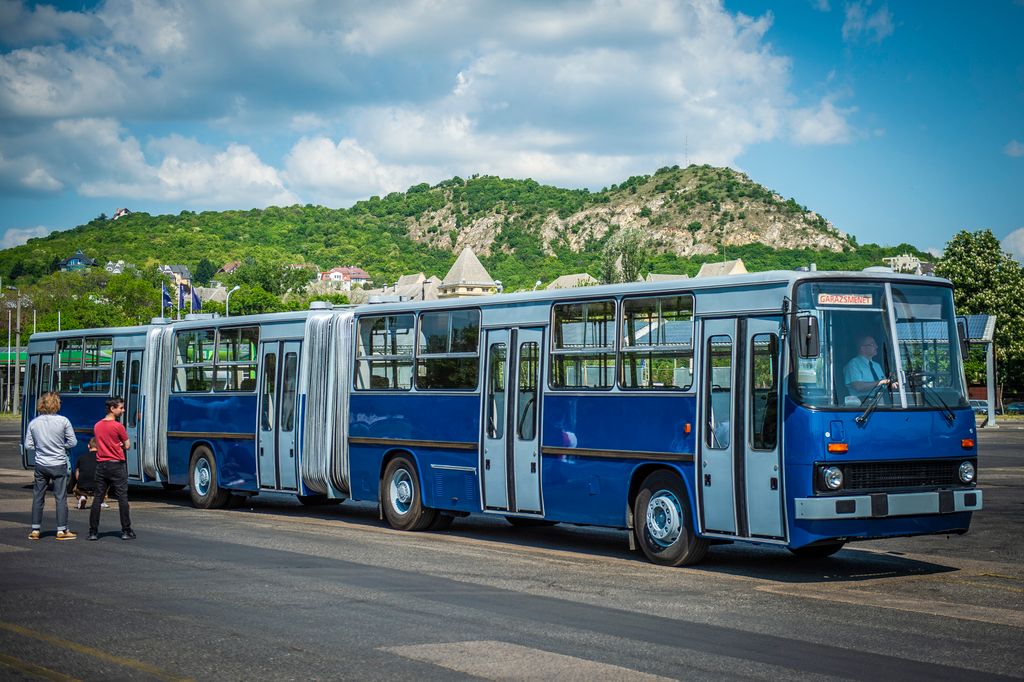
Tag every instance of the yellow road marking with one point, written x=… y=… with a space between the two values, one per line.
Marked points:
x=35 y=670
x=90 y=651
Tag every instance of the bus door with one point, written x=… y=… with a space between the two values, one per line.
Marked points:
x=278 y=394
x=719 y=419
x=127 y=383
x=510 y=458
x=37 y=383
x=762 y=462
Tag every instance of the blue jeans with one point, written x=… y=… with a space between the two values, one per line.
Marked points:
x=43 y=476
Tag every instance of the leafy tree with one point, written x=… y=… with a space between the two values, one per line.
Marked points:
x=624 y=255
x=205 y=271
x=989 y=281
x=250 y=300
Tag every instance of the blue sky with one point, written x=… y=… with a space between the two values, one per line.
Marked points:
x=898 y=121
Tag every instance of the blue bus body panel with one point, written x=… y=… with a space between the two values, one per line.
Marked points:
x=886 y=436
x=83 y=411
x=411 y=417
x=595 y=490
x=206 y=418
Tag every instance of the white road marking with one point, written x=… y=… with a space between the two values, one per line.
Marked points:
x=493 y=660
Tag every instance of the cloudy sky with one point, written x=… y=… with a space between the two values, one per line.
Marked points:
x=898 y=121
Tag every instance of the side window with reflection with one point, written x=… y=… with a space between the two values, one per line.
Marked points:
x=657 y=343
x=447 y=356
x=583 y=345
x=384 y=349
x=764 y=391
x=84 y=365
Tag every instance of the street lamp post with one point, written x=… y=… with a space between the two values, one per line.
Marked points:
x=227 y=301
x=16 y=396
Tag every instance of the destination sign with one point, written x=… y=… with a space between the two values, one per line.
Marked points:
x=845 y=299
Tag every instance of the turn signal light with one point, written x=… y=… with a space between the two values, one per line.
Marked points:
x=967 y=443
x=686 y=429
x=838 y=447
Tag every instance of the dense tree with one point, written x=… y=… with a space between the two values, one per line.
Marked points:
x=625 y=254
x=989 y=281
x=205 y=271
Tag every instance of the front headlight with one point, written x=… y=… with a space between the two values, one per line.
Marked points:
x=832 y=477
x=967 y=472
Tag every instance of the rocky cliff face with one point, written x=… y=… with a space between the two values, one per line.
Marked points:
x=688 y=212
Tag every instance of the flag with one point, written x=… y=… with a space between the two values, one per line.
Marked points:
x=197 y=306
x=181 y=298
x=165 y=298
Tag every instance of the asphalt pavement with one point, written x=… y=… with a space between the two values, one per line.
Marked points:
x=273 y=590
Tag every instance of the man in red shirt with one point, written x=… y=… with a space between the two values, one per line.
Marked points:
x=111 y=468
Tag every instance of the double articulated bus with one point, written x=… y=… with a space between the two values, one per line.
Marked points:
x=695 y=412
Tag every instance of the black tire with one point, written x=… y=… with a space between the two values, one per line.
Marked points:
x=663 y=524
x=442 y=522
x=524 y=522
x=401 y=497
x=203 y=481
x=821 y=551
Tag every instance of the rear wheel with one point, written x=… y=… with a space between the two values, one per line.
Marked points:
x=402 y=498
x=817 y=551
x=203 y=485
x=662 y=522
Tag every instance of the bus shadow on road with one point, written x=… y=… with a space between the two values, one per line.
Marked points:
x=849 y=565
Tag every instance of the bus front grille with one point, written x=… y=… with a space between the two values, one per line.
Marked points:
x=893 y=475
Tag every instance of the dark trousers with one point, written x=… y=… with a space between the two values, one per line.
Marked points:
x=113 y=475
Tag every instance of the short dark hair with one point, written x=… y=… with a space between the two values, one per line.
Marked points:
x=114 y=402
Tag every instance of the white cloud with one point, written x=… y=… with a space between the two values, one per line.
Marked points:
x=17 y=236
x=824 y=124
x=861 y=23
x=1013 y=243
x=1014 y=148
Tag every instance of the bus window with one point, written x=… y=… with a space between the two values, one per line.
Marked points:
x=289 y=385
x=384 y=352
x=132 y=408
x=718 y=401
x=84 y=365
x=529 y=370
x=235 y=359
x=447 y=353
x=496 y=392
x=119 y=378
x=44 y=379
x=193 y=360
x=657 y=343
x=583 y=346
x=269 y=386
x=764 y=391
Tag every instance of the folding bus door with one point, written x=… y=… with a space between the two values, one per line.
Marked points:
x=278 y=417
x=127 y=375
x=511 y=420
x=36 y=383
x=762 y=463
x=718 y=407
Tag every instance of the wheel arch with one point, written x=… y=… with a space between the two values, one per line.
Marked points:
x=642 y=471
x=390 y=456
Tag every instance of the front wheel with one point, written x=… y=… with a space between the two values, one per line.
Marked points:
x=402 y=498
x=203 y=485
x=662 y=522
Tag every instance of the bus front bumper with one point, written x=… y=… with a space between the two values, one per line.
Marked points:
x=885 y=505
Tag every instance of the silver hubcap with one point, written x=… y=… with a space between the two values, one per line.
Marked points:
x=201 y=476
x=664 y=518
x=401 y=491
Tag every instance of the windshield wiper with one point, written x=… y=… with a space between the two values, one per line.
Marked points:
x=916 y=381
x=871 y=400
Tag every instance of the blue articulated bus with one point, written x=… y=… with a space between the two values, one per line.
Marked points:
x=797 y=409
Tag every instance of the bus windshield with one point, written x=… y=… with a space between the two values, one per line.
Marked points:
x=873 y=331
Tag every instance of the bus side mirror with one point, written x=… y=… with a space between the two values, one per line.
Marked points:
x=965 y=341
x=807 y=336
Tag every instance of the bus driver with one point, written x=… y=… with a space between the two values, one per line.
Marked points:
x=862 y=373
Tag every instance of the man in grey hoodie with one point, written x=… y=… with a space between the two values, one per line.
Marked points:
x=51 y=436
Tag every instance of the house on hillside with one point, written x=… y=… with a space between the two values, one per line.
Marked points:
x=656 y=277
x=228 y=268
x=345 y=277
x=726 y=267
x=79 y=261
x=179 y=274
x=909 y=264
x=579 y=279
x=121 y=212
x=118 y=267
x=467 y=278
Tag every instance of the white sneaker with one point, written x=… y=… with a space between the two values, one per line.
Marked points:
x=81 y=502
x=104 y=505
